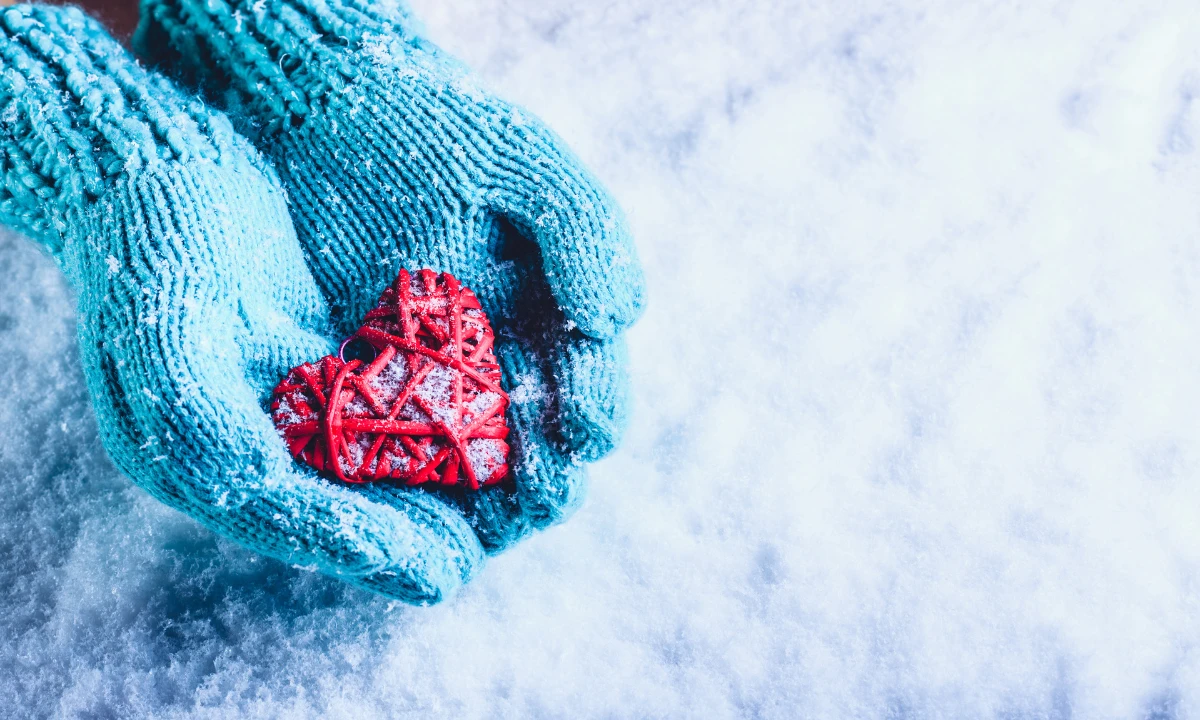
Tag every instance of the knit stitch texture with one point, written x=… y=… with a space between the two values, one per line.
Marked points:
x=392 y=156
x=194 y=297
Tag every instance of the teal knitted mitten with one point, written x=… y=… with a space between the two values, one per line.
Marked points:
x=393 y=157
x=194 y=299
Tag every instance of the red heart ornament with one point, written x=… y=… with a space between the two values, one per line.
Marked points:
x=428 y=408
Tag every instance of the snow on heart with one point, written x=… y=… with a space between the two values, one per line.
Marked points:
x=428 y=408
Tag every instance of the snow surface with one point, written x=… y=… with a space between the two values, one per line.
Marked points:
x=917 y=418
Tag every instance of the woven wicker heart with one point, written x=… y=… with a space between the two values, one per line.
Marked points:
x=429 y=406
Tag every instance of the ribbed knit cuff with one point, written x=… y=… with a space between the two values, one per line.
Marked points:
x=272 y=60
x=76 y=112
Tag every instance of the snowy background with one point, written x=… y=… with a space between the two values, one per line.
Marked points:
x=917 y=429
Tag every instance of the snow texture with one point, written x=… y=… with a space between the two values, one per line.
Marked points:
x=917 y=401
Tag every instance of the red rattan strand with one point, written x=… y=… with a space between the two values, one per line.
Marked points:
x=329 y=409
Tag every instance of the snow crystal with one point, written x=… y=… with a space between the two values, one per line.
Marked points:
x=358 y=450
x=392 y=379
x=285 y=413
x=529 y=389
x=481 y=403
x=914 y=419
x=437 y=389
x=485 y=454
x=357 y=407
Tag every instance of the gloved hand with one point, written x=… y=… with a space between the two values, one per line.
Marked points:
x=393 y=157
x=194 y=299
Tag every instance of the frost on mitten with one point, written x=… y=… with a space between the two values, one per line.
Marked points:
x=427 y=408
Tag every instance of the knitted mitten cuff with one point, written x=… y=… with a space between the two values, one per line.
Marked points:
x=78 y=112
x=273 y=61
